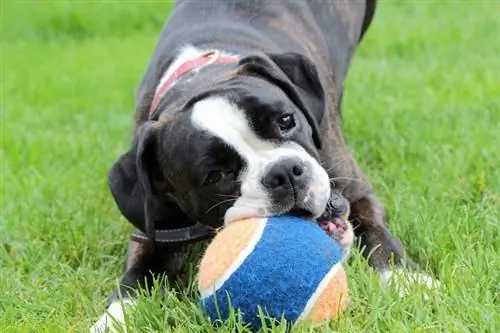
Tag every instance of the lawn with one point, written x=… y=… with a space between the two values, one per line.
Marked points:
x=422 y=114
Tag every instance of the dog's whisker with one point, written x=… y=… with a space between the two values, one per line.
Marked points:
x=342 y=189
x=337 y=162
x=219 y=203
x=323 y=163
x=227 y=196
x=345 y=178
x=327 y=170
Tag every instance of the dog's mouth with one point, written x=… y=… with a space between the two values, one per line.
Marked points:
x=334 y=219
x=333 y=226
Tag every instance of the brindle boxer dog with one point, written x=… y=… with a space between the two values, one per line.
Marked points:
x=238 y=115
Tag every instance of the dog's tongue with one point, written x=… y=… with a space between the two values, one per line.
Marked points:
x=334 y=227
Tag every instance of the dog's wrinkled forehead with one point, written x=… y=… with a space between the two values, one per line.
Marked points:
x=259 y=91
x=247 y=127
x=225 y=120
x=244 y=117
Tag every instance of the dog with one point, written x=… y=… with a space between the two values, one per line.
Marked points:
x=239 y=114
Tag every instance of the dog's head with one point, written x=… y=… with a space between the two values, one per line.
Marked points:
x=243 y=146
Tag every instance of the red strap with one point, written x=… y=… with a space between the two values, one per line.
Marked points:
x=211 y=57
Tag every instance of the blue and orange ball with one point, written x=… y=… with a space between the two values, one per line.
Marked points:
x=286 y=266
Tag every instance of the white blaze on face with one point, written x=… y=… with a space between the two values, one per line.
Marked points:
x=224 y=120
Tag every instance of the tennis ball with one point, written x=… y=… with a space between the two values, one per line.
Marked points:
x=287 y=266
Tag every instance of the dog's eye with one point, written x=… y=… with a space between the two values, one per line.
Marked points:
x=286 y=122
x=213 y=177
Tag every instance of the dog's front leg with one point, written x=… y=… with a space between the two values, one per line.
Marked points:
x=144 y=263
x=384 y=252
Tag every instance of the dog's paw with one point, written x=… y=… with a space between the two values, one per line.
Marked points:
x=113 y=321
x=405 y=282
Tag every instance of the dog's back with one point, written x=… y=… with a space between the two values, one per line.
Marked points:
x=325 y=31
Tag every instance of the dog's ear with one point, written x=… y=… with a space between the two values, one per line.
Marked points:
x=131 y=181
x=298 y=77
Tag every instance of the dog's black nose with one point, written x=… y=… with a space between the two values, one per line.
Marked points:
x=285 y=174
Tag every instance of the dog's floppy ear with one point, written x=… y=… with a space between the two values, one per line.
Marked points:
x=298 y=77
x=130 y=181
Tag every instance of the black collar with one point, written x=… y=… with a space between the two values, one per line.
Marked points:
x=172 y=237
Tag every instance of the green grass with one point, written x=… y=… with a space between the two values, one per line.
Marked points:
x=422 y=114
